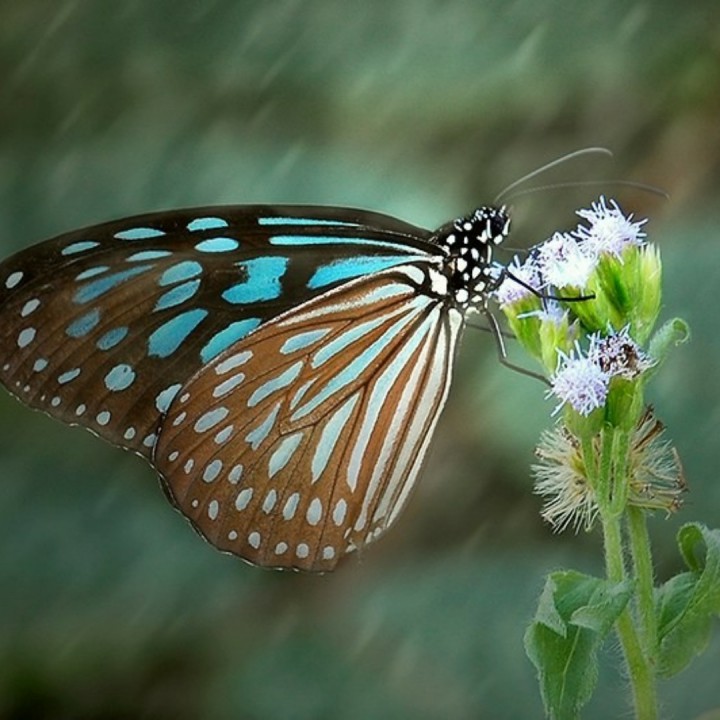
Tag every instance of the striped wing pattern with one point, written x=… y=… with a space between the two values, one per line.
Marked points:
x=102 y=327
x=282 y=367
x=301 y=442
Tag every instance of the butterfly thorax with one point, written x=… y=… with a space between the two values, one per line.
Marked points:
x=469 y=242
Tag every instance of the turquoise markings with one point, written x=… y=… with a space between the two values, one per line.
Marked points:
x=282 y=220
x=206 y=223
x=217 y=245
x=177 y=295
x=346 y=269
x=227 y=336
x=166 y=339
x=182 y=271
x=112 y=338
x=139 y=233
x=121 y=377
x=95 y=289
x=262 y=281
x=78 y=247
x=339 y=240
x=83 y=325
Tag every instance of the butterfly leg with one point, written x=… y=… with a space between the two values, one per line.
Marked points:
x=497 y=334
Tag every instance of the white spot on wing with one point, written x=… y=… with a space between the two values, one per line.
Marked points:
x=314 y=512
x=211 y=418
x=291 y=506
x=235 y=474
x=269 y=503
x=13 y=279
x=339 y=512
x=29 y=307
x=243 y=498
x=212 y=470
x=227 y=385
x=26 y=336
x=233 y=361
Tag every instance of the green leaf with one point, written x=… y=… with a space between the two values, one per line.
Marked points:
x=574 y=614
x=687 y=603
x=674 y=332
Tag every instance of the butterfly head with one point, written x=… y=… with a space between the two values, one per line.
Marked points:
x=469 y=242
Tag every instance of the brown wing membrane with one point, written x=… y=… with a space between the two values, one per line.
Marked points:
x=301 y=442
x=102 y=326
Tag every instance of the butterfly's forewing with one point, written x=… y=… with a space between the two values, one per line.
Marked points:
x=103 y=326
x=301 y=442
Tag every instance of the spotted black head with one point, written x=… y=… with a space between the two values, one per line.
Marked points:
x=469 y=242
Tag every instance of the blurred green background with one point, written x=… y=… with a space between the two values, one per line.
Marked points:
x=110 y=606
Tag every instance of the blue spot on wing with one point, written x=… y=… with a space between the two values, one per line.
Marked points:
x=84 y=324
x=262 y=283
x=78 y=247
x=182 y=271
x=92 y=272
x=140 y=233
x=166 y=339
x=206 y=223
x=291 y=240
x=166 y=396
x=112 y=338
x=95 y=289
x=68 y=376
x=120 y=378
x=225 y=338
x=148 y=255
x=355 y=267
x=282 y=220
x=177 y=295
x=217 y=245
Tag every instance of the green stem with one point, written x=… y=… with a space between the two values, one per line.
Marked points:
x=620 y=483
x=589 y=456
x=635 y=648
x=640 y=672
x=604 y=486
x=643 y=567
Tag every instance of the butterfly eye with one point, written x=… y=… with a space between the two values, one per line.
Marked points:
x=283 y=369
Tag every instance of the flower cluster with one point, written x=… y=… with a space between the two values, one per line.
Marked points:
x=584 y=304
x=583 y=380
x=597 y=285
x=656 y=480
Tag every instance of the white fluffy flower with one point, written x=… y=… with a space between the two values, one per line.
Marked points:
x=609 y=230
x=580 y=382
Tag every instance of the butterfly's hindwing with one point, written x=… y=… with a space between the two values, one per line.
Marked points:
x=101 y=327
x=301 y=442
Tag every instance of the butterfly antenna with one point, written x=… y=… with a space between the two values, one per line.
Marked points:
x=590 y=183
x=550 y=165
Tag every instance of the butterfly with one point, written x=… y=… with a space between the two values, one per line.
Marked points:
x=282 y=368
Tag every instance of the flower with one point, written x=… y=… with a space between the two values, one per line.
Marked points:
x=560 y=478
x=518 y=279
x=655 y=474
x=610 y=230
x=565 y=262
x=580 y=382
x=551 y=311
x=619 y=355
